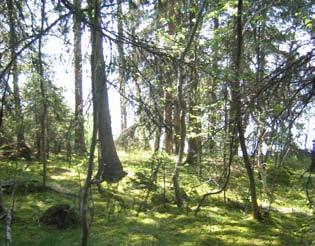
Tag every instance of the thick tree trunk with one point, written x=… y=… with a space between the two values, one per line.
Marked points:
x=79 y=141
x=121 y=69
x=236 y=97
x=14 y=69
x=109 y=167
x=168 y=110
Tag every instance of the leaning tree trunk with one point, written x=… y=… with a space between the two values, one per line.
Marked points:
x=16 y=90
x=109 y=167
x=236 y=97
x=79 y=142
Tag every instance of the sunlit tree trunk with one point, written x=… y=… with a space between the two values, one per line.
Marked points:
x=109 y=167
x=79 y=141
x=236 y=97
x=16 y=91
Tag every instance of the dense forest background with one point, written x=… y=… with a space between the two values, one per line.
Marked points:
x=216 y=107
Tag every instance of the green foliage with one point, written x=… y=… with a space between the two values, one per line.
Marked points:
x=278 y=176
x=60 y=125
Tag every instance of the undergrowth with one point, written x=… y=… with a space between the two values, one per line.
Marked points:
x=140 y=210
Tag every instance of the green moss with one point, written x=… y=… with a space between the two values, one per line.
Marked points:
x=118 y=219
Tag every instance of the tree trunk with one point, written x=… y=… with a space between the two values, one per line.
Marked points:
x=2 y=208
x=178 y=193
x=3 y=101
x=43 y=92
x=168 y=140
x=79 y=141
x=87 y=184
x=236 y=97
x=168 y=111
x=157 y=139
x=109 y=167
x=14 y=69
x=121 y=68
x=176 y=123
x=194 y=142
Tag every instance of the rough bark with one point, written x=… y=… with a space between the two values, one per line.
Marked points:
x=109 y=167
x=236 y=97
x=16 y=91
x=168 y=111
x=79 y=140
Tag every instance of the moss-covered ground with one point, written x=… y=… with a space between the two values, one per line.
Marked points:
x=140 y=209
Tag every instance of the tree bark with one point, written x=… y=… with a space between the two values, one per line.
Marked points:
x=168 y=109
x=109 y=167
x=79 y=140
x=236 y=97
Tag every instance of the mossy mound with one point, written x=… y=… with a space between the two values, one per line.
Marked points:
x=61 y=216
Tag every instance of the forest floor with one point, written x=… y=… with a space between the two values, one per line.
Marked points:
x=140 y=210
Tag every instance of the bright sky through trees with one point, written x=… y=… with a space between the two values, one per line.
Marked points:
x=63 y=75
